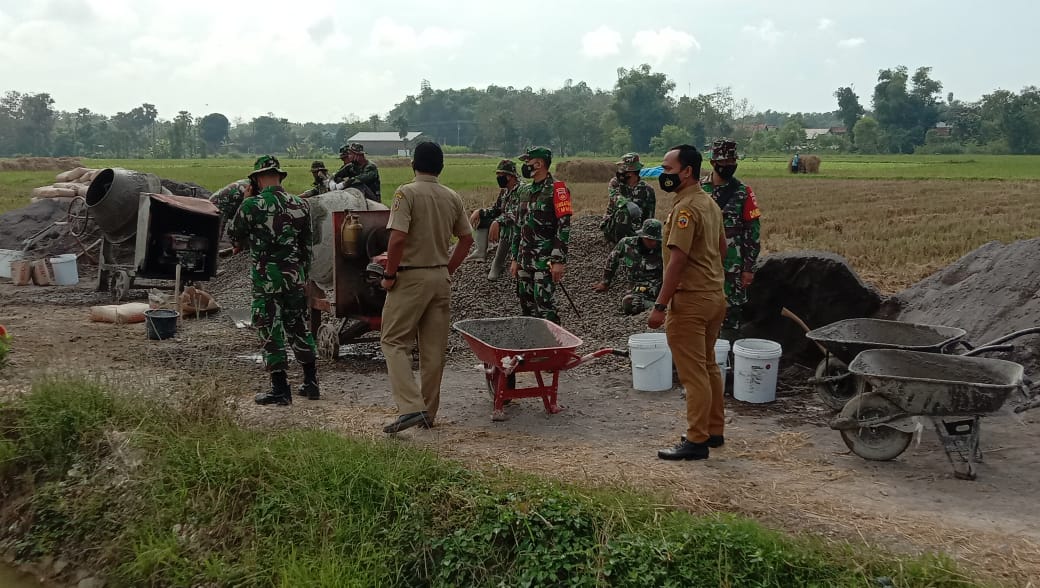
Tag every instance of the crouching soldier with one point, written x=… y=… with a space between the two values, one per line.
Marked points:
x=641 y=256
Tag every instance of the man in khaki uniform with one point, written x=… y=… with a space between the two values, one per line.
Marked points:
x=423 y=218
x=692 y=295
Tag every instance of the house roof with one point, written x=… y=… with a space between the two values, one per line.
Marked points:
x=813 y=133
x=377 y=137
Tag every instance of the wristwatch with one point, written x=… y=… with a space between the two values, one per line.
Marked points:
x=660 y=307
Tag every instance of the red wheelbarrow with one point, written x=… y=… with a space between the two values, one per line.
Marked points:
x=511 y=345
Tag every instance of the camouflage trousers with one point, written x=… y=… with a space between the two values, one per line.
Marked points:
x=278 y=316
x=642 y=298
x=619 y=224
x=535 y=289
x=736 y=297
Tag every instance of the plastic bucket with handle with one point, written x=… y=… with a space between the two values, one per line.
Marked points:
x=756 y=363
x=651 y=362
x=66 y=272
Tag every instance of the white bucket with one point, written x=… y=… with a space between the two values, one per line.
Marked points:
x=722 y=353
x=651 y=362
x=66 y=272
x=6 y=257
x=755 y=366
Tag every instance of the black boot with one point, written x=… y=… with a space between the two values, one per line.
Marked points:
x=280 y=394
x=309 y=389
x=686 y=449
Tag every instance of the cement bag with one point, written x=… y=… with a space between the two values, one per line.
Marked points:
x=195 y=302
x=132 y=312
x=52 y=192
x=321 y=208
x=66 y=185
x=71 y=175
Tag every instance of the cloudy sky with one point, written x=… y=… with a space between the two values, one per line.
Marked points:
x=323 y=60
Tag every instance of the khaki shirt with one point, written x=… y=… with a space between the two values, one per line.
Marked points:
x=694 y=226
x=431 y=214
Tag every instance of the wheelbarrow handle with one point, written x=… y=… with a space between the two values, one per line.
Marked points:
x=988 y=348
x=577 y=360
x=1010 y=336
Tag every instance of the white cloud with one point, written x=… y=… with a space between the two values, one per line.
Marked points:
x=824 y=23
x=766 y=31
x=389 y=37
x=601 y=42
x=851 y=43
x=664 y=44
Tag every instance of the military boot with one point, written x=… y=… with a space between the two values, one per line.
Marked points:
x=501 y=258
x=309 y=389
x=280 y=394
x=480 y=236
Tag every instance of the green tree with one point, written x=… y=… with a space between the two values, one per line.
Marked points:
x=670 y=136
x=214 y=129
x=642 y=103
x=620 y=140
x=1022 y=121
x=867 y=135
x=849 y=108
x=180 y=136
x=792 y=134
x=906 y=111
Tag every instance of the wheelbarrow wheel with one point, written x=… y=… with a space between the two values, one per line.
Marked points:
x=328 y=340
x=876 y=443
x=836 y=393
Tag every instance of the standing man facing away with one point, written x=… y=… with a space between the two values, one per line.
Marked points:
x=498 y=222
x=692 y=295
x=423 y=218
x=539 y=248
x=358 y=172
x=276 y=227
x=740 y=217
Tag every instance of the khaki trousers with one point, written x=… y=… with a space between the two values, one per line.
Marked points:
x=417 y=309
x=692 y=325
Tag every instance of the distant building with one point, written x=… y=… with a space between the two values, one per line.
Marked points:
x=760 y=127
x=812 y=134
x=943 y=129
x=387 y=143
x=839 y=131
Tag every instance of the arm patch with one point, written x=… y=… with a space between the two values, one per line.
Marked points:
x=562 y=200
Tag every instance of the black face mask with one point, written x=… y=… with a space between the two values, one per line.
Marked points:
x=620 y=177
x=669 y=182
x=502 y=181
x=526 y=170
x=726 y=171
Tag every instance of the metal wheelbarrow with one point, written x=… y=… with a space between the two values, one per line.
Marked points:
x=511 y=345
x=954 y=391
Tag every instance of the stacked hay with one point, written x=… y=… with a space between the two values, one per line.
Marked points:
x=39 y=163
x=807 y=164
x=585 y=170
x=68 y=184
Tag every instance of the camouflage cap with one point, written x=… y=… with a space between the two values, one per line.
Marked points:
x=351 y=148
x=318 y=165
x=537 y=153
x=651 y=229
x=724 y=150
x=267 y=163
x=506 y=166
x=629 y=162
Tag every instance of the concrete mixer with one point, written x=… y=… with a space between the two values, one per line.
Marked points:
x=172 y=234
x=350 y=234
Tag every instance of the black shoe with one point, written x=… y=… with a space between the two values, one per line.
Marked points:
x=685 y=450
x=715 y=441
x=427 y=423
x=406 y=421
x=309 y=389
x=280 y=394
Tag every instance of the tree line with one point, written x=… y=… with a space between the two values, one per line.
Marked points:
x=640 y=113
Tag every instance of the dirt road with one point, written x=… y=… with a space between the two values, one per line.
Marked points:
x=781 y=464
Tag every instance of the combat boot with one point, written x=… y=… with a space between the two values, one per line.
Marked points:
x=480 y=237
x=309 y=389
x=280 y=394
x=501 y=258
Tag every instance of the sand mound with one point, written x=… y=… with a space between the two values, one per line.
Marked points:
x=989 y=292
x=585 y=170
x=39 y=163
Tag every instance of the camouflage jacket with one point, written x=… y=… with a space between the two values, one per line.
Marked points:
x=229 y=198
x=644 y=265
x=544 y=222
x=276 y=228
x=642 y=194
x=320 y=186
x=740 y=217
x=504 y=210
x=367 y=174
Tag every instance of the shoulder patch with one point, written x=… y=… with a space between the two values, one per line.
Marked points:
x=751 y=210
x=562 y=200
x=683 y=220
x=397 y=201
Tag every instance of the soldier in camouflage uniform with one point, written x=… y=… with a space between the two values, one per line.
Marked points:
x=276 y=228
x=641 y=255
x=228 y=199
x=321 y=180
x=498 y=221
x=740 y=216
x=358 y=172
x=539 y=247
x=631 y=201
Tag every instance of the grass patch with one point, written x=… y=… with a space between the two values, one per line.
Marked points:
x=155 y=496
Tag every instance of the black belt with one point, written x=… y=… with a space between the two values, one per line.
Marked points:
x=404 y=268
